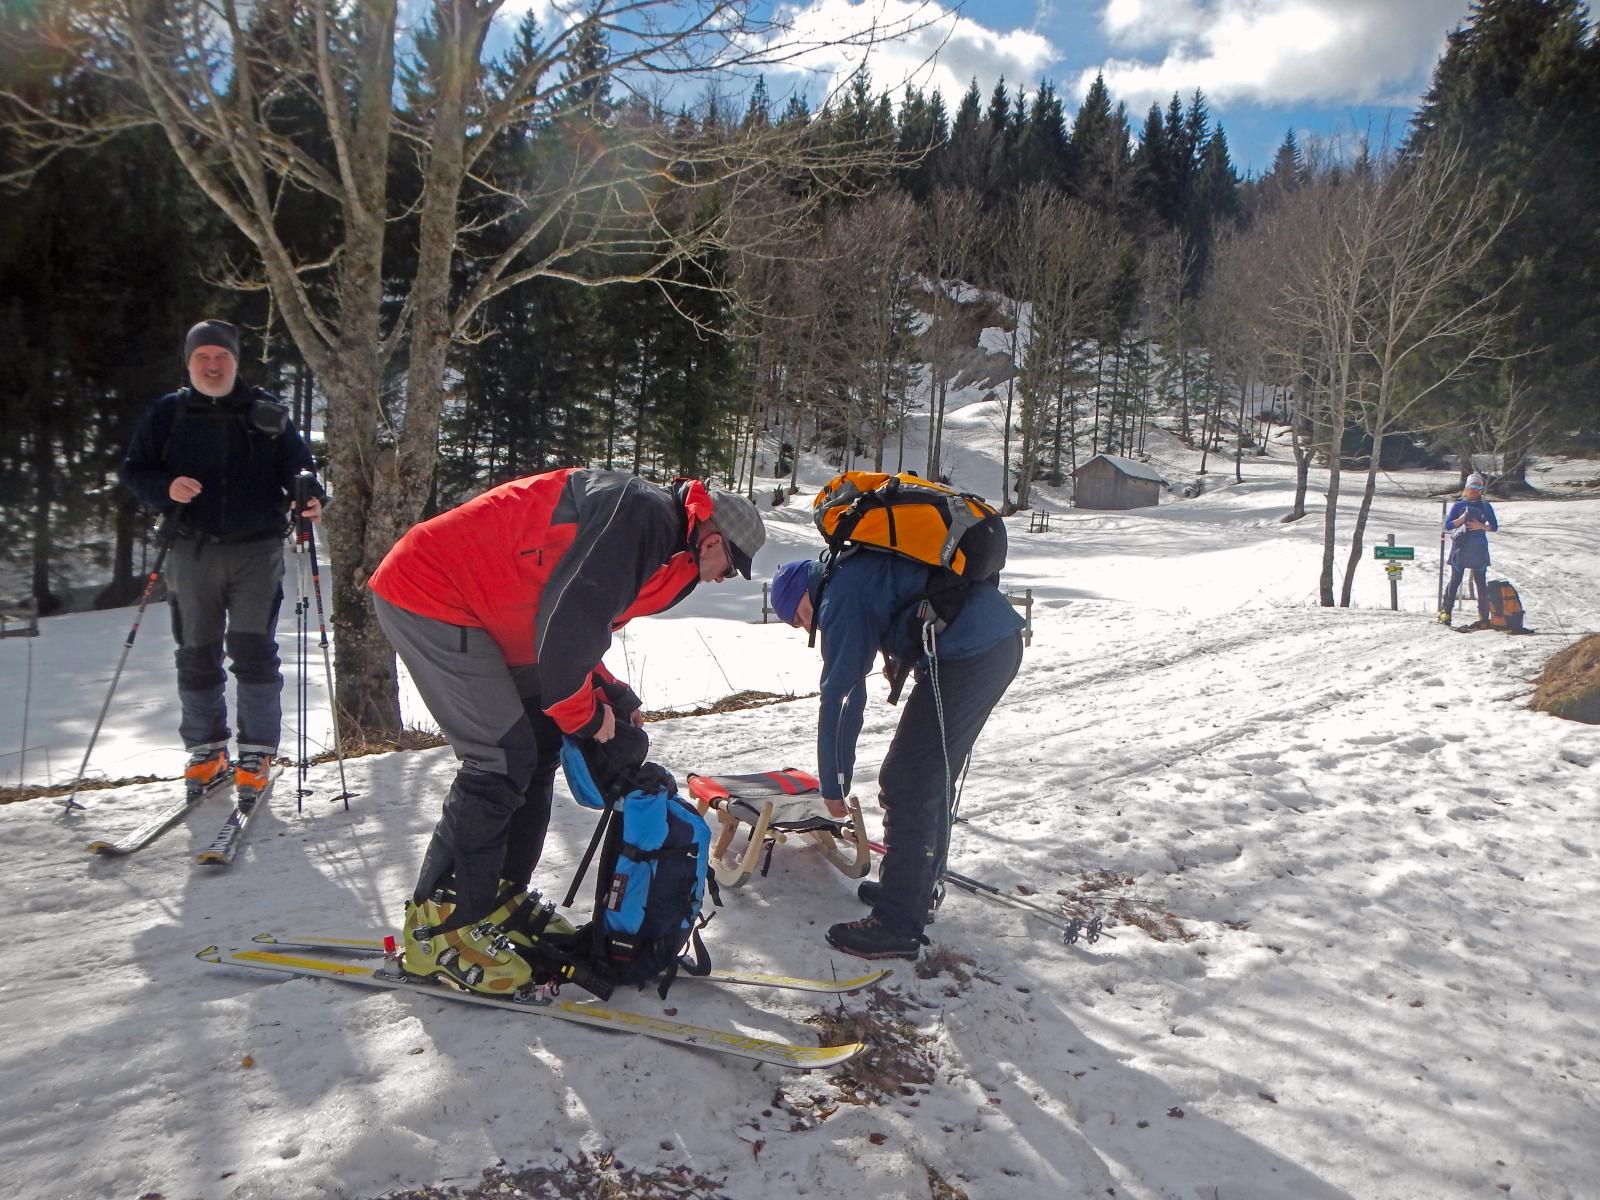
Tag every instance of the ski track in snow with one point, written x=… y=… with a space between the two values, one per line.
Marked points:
x=1385 y=863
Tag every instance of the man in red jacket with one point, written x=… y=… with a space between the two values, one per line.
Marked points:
x=501 y=610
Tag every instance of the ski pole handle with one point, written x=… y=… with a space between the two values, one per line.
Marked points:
x=305 y=490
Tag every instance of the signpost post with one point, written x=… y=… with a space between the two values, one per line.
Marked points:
x=1394 y=558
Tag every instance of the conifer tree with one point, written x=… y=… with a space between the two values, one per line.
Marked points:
x=1518 y=88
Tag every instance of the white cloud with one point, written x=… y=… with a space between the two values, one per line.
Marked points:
x=1274 y=51
x=937 y=49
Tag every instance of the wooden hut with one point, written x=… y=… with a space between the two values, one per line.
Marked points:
x=1110 y=481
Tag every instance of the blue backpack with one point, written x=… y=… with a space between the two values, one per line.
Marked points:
x=652 y=877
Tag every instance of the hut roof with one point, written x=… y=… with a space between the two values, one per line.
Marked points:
x=1128 y=467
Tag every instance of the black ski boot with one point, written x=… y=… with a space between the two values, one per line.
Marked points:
x=871 y=938
x=870 y=893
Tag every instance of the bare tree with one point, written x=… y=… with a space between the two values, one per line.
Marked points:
x=1372 y=314
x=1075 y=251
x=1326 y=240
x=266 y=103
x=1422 y=326
x=952 y=232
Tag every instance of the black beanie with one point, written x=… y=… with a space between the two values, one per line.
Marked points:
x=211 y=333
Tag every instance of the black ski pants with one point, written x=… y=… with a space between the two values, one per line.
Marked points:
x=915 y=787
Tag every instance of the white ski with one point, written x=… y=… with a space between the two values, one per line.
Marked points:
x=160 y=823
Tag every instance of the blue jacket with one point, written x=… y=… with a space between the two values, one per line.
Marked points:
x=867 y=608
x=242 y=447
x=1470 y=546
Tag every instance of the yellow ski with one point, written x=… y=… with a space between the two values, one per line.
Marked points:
x=792 y=983
x=582 y=1012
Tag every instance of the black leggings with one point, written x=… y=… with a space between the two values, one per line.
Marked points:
x=912 y=784
x=1480 y=576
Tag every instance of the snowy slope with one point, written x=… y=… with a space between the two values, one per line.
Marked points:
x=1355 y=882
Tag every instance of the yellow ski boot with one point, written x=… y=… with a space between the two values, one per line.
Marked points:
x=479 y=957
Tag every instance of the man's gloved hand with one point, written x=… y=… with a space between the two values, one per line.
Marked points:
x=614 y=764
x=838 y=809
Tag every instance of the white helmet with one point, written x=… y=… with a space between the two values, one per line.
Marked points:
x=1475 y=481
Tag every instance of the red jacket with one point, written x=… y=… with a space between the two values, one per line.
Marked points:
x=548 y=566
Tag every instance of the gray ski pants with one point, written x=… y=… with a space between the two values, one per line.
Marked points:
x=224 y=596
x=498 y=807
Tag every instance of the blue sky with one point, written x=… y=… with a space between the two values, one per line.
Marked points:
x=1266 y=66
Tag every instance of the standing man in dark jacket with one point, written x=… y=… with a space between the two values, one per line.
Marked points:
x=1469 y=523
x=501 y=610
x=228 y=455
x=961 y=672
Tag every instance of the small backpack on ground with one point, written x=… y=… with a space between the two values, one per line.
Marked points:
x=1505 y=607
x=958 y=533
x=652 y=877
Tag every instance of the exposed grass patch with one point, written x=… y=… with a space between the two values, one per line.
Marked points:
x=1109 y=893
x=940 y=960
x=898 y=1059
x=940 y=1188
x=598 y=1177
x=409 y=738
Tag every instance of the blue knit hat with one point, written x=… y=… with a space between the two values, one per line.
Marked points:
x=788 y=585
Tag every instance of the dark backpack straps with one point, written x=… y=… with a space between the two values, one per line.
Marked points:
x=600 y=828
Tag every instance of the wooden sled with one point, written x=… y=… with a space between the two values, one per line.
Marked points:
x=776 y=806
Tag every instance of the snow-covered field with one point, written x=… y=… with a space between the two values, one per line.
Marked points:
x=1358 y=954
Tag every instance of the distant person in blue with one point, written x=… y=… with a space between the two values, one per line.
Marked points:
x=1468 y=524
x=227 y=455
x=868 y=607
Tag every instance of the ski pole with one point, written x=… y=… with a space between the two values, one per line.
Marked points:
x=1444 y=509
x=164 y=540
x=303 y=483
x=302 y=659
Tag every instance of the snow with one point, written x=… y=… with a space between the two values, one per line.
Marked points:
x=1369 y=869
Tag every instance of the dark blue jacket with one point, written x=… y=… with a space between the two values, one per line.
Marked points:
x=242 y=447
x=867 y=608
x=1470 y=547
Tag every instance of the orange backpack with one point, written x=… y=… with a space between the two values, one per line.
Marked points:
x=959 y=533
x=1505 y=606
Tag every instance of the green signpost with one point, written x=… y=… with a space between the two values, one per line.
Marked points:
x=1408 y=552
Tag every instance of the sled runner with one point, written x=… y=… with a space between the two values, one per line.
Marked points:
x=776 y=806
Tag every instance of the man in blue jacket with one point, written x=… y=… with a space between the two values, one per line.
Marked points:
x=868 y=607
x=228 y=455
x=1469 y=523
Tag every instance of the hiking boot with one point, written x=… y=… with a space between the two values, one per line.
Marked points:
x=871 y=938
x=206 y=769
x=251 y=775
x=1444 y=616
x=870 y=893
x=480 y=957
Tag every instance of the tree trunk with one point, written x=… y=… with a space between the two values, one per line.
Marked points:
x=1356 y=547
x=124 y=587
x=1302 y=473
x=1330 y=515
x=1238 y=441
x=44 y=495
